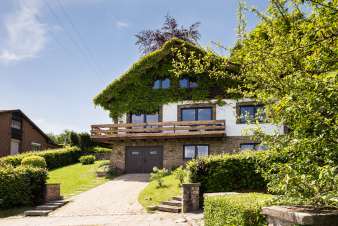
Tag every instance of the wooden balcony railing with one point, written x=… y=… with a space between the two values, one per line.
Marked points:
x=157 y=130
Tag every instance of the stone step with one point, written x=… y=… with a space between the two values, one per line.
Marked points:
x=166 y=208
x=48 y=207
x=177 y=198
x=57 y=202
x=172 y=203
x=36 y=213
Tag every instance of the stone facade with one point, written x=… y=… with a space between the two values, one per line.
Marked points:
x=173 y=149
x=191 y=197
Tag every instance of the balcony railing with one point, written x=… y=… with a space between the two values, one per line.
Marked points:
x=158 y=130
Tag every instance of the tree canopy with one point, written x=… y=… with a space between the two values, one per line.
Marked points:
x=151 y=40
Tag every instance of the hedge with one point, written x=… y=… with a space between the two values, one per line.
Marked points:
x=22 y=186
x=87 y=159
x=54 y=158
x=237 y=209
x=232 y=172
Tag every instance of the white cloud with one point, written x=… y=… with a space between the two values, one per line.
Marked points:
x=26 y=36
x=121 y=24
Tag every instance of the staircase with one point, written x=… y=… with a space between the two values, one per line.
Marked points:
x=173 y=206
x=45 y=209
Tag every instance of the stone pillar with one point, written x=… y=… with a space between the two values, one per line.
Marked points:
x=191 y=197
x=52 y=192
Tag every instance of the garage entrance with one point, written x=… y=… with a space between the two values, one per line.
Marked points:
x=143 y=159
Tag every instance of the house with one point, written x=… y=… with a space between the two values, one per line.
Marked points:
x=163 y=120
x=20 y=134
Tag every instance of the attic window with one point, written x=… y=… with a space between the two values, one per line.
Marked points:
x=187 y=83
x=162 y=84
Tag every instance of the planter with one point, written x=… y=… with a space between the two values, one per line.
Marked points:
x=52 y=192
x=291 y=215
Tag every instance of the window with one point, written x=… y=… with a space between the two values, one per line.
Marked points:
x=251 y=113
x=253 y=146
x=16 y=124
x=35 y=146
x=196 y=114
x=162 y=84
x=144 y=118
x=188 y=83
x=194 y=151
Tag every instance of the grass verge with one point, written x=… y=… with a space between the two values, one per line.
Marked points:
x=76 y=178
x=153 y=195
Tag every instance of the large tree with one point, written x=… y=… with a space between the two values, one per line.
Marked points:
x=289 y=62
x=150 y=40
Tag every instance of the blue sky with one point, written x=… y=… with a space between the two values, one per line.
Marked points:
x=56 y=55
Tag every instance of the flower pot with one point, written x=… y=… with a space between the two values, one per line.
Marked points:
x=291 y=215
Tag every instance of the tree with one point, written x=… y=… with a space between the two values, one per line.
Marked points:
x=289 y=62
x=151 y=40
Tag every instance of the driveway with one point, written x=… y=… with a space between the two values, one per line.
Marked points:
x=113 y=203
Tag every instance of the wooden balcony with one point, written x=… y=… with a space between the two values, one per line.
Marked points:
x=158 y=130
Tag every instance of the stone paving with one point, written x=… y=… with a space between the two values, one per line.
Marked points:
x=113 y=203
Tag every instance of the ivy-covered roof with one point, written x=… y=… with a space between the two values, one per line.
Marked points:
x=133 y=91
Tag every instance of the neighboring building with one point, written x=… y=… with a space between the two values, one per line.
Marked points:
x=180 y=129
x=19 y=134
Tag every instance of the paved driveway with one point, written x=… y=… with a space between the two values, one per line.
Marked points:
x=112 y=203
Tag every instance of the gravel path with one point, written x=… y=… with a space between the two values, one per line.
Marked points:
x=111 y=204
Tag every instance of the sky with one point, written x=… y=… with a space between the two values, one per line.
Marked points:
x=57 y=55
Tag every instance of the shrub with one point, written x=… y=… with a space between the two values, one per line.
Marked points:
x=180 y=174
x=34 y=161
x=158 y=175
x=238 y=209
x=54 y=158
x=233 y=172
x=98 y=150
x=87 y=159
x=22 y=186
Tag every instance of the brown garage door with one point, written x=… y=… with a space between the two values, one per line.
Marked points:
x=143 y=159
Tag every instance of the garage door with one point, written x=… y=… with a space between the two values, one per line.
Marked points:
x=143 y=159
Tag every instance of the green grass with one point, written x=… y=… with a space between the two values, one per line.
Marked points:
x=153 y=195
x=76 y=178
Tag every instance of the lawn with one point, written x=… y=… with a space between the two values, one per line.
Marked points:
x=153 y=195
x=76 y=178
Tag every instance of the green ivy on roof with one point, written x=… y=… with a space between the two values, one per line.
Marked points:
x=132 y=92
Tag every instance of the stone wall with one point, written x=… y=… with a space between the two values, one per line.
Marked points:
x=173 y=149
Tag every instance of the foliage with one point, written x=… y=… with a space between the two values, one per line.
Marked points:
x=87 y=159
x=289 y=63
x=151 y=40
x=71 y=138
x=34 y=161
x=21 y=186
x=180 y=174
x=98 y=150
x=132 y=92
x=152 y=194
x=54 y=158
x=237 y=209
x=232 y=172
x=158 y=175
x=76 y=178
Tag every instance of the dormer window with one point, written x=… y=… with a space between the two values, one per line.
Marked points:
x=187 y=83
x=162 y=84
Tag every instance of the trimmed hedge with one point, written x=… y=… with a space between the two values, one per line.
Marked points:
x=232 y=172
x=22 y=186
x=98 y=150
x=54 y=158
x=237 y=209
x=87 y=159
x=34 y=161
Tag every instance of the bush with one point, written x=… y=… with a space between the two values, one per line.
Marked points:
x=98 y=150
x=22 y=186
x=54 y=158
x=233 y=172
x=34 y=161
x=87 y=159
x=158 y=175
x=238 y=209
x=180 y=174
